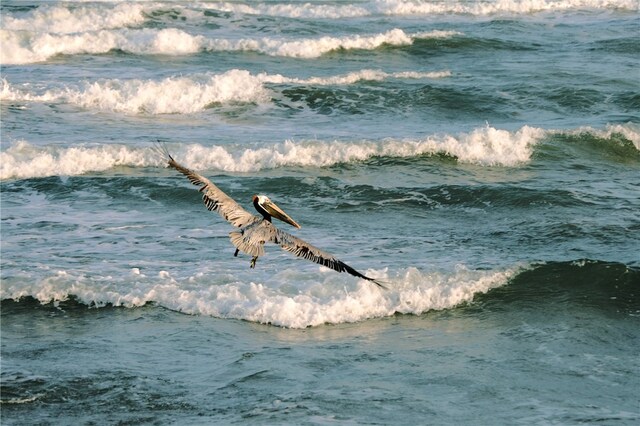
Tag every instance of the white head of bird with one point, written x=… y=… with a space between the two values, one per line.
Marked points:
x=269 y=209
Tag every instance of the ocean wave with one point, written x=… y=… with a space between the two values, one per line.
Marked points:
x=23 y=160
x=485 y=146
x=417 y=8
x=93 y=16
x=187 y=94
x=291 y=298
x=67 y=19
x=410 y=7
x=296 y=299
x=587 y=283
x=316 y=47
x=630 y=132
x=24 y=47
x=167 y=96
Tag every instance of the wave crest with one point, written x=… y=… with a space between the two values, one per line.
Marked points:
x=61 y=19
x=168 y=96
x=311 y=303
x=485 y=146
x=94 y=16
x=187 y=94
x=23 y=47
x=419 y=8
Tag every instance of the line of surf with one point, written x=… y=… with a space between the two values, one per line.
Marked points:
x=485 y=146
x=325 y=298
x=24 y=47
x=186 y=94
x=93 y=16
x=421 y=8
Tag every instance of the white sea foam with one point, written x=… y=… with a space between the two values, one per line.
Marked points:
x=98 y=28
x=167 y=96
x=412 y=7
x=23 y=160
x=316 y=47
x=353 y=77
x=66 y=19
x=289 y=299
x=21 y=47
x=186 y=94
x=420 y=7
x=484 y=146
x=293 y=10
x=93 y=16
x=629 y=131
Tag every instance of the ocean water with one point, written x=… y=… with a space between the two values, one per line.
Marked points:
x=482 y=158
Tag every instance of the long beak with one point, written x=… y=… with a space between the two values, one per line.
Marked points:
x=277 y=212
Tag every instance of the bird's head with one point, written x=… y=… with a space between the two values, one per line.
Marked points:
x=268 y=208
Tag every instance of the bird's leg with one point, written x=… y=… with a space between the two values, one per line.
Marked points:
x=253 y=262
x=236 y=253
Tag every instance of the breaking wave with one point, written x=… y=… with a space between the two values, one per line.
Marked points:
x=486 y=146
x=421 y=7
x=295 y=299
x=93 y=16
x=187 y=94
x=291 y=300
x=155 y=28
x=66 y=19
x=23 y=47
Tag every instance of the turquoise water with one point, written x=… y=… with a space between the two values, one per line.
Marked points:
x=481 y=158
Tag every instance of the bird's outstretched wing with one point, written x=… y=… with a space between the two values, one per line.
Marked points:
x=214 y=198
x=303 y=249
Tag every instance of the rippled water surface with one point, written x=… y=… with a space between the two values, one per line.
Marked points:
x=481 y=158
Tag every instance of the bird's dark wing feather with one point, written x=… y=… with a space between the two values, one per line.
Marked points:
x=214 y=198
x=303 y=249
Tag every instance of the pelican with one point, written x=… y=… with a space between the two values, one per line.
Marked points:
x=256 y=230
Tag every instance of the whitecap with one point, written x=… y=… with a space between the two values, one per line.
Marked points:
x=418 y=8
x=66 y=19
x=326 y=298
x=629 y=131
x=167 y=96
x=485 y=146
x=315 y=47
x=186 y=94
x=23 y=47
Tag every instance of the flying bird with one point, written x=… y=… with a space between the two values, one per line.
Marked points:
x=257 y=230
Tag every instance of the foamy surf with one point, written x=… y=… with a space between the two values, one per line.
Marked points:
x=187 y=94
x=316 y=47
x=290 y=299
x=23 y=47
x=94 y=16
x=67 y=19
x=422 y=8
x=482 y=8
x=485 y=146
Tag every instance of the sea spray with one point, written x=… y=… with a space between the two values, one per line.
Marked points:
x=189 y=93
x=23 y=47
x=485 y=146
x=417 y=8
x=321 y=298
